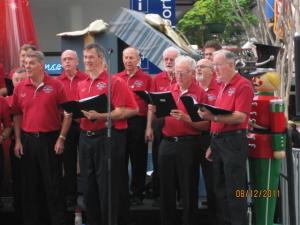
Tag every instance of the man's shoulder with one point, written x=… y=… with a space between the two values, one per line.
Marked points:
x=160 y=75
x=121 y=73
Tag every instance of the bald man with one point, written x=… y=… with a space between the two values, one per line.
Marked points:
x=206 y=79
x=70 y=78
x=136 y=80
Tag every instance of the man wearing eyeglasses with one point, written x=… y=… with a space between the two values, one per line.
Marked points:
x=206 y=80
x=179 y=150
x=229 y=144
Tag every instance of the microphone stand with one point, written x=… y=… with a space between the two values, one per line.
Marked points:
x=109 y=139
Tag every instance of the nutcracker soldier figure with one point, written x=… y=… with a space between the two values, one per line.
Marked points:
x=267 y=140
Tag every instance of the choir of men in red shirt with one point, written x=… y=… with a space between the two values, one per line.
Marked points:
x=47 y=138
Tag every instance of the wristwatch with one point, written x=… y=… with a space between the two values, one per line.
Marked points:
x=216 y=118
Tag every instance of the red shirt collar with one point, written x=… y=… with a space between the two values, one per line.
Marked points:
x=101 y=76
x=190 y=89
x=64 y=76
x=45 y=80
x=137 y=72
x=233 y=80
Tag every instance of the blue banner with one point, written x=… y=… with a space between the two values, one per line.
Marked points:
x=52 y=65
x=166 y=9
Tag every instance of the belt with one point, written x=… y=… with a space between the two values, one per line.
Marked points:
x=94 y=133
x=181 y=138
x=227 y=133
x=40 y=134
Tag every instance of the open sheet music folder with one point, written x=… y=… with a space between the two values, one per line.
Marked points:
x=215 y=110
x=163 y=101
x=97 y=103
x=191 y=107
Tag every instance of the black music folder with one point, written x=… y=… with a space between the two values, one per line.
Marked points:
x=163 y=101
x=191 y=107
x=97 y=103
x=215 y=110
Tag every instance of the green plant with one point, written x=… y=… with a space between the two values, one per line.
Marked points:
x=195 y=21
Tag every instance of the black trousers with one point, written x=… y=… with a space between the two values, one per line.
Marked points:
x=93 y=159
x=16 y=180
x=70 y=161
x=229 y=164
x=137 y=152
x=179 y=159
x=207 y=170
x=41 y=171
x=157 y=130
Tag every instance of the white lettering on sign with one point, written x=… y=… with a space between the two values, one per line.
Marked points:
x=53 y=67
x=166 y=10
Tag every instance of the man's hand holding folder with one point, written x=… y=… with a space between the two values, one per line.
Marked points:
x=215 y=110
x=95 y=103
x=163 y=101
x=191 y=107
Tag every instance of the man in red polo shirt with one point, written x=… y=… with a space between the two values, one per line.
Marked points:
x=22 y=55
x=229 y=144
x=5 y=122
x=136 y=147
x=17 y=77
x=160 y=82
x=205 y=79
x=94 y=143
x=70 y=78
x=179 y=150
x=39 y=137
x=210 y=47
x=3 y=89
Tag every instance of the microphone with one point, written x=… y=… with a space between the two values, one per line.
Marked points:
x=110 y=51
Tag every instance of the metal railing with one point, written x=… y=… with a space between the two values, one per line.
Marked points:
x=290 y=188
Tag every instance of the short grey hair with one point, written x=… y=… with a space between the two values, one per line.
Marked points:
x=99 y=50
x=228 y=55
x=71 y=51
x=20 y=70
x=36 y=54
x=171 y=49
x=184 y=58
x=137 y=52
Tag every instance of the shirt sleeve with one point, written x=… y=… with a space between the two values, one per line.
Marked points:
x=5 y=113
x=121 y=94
x=16 y=108
x=61 y=93
x=243 y=102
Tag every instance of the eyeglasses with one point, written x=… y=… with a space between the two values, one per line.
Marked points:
x=219 y=64
x=203 y=66
x=181 y=74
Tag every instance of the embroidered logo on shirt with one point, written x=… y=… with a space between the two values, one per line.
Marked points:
x=137 y=83
x=23 y=95
x=101 y=85
x=47 y=89
x=231 y=91
x=211 y=97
